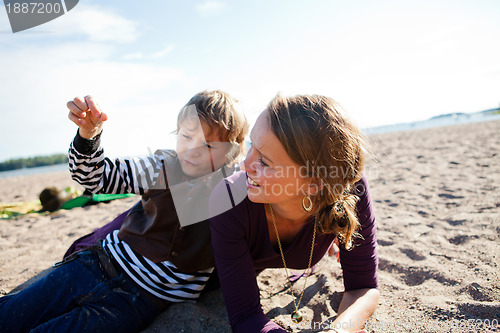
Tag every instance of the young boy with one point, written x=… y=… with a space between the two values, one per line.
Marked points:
x=162 y=253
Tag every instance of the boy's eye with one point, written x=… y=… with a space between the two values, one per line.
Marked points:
x=209 y=146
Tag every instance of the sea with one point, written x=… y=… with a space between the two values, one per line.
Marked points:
x=34 y=170
x=438 y=121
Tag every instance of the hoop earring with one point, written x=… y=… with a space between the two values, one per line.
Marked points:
x=309 y=206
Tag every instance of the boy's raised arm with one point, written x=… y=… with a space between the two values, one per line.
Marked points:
x=88 y=165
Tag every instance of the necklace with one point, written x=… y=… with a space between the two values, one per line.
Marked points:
x=296 y=315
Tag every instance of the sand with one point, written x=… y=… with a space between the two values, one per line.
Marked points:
x=437 y=201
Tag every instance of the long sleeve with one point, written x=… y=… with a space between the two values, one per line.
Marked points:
x=237 y=277
x=235 y=267
x=95 y=172
x=359 y=265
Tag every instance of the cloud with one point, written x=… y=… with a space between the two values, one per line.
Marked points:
x=96 y=23
x=211 y=8
x=155 y=55
x=163 y=52
x=133 y=56
x=437 y=36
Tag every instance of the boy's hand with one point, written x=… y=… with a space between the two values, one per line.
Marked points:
x=87 y=115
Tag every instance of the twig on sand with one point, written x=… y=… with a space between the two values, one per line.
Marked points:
x=447 y=257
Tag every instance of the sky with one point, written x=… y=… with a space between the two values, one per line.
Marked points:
x=384 y=61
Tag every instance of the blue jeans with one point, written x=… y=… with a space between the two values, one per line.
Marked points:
x=77 y=297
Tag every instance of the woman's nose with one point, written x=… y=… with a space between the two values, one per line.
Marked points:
x=247 y=164
x=242 y=165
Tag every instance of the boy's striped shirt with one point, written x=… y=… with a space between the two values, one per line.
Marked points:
x=99 y=174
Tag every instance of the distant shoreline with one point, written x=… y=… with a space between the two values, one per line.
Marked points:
x=34 y=170
x=33 y=161
x=438 y=121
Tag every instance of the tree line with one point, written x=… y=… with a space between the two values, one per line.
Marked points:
x=31 y=162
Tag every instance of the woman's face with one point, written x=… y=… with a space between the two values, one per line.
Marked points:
x=272 y=176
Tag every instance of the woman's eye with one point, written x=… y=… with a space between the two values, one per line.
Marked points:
x=261 y=160
x=209 y=146
x=187 y=137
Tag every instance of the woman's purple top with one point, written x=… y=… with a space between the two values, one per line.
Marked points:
x=241 y=246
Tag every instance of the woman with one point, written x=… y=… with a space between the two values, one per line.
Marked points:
x=302 y=188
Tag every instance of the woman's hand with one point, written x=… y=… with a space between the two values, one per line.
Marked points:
x=87 y=115
x=355 y=309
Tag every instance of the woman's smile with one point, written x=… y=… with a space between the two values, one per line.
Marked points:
x=251 y=182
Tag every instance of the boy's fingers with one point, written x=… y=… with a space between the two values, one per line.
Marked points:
x=93 y=106
x=80 y=103
x=104 y=116
x=77 y=120
x=74 y=109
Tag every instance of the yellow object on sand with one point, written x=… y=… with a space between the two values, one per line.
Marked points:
x=69 y=198
x=9 y=210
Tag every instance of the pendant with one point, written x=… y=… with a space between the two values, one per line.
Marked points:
x=296 y=316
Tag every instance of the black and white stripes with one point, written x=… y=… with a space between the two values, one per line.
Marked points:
x=99 y=174
x=163 y=280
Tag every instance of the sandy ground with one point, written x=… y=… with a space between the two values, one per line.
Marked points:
x=437 y=200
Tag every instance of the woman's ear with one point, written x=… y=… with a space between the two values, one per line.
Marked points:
x=315 y=186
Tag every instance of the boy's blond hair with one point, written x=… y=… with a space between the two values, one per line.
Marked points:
x=218 y=109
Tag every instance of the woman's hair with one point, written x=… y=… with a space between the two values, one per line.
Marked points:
x=318 y=136
x=218 y=109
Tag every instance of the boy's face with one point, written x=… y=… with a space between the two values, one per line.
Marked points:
x=200 y=148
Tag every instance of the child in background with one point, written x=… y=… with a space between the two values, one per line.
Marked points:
x=161 y=254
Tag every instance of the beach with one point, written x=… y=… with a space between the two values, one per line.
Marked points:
x=436 y=194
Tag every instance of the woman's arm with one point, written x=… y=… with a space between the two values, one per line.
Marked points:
x=359 y=267
x=237 y=278
x=231 y=249
x=355 y=309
